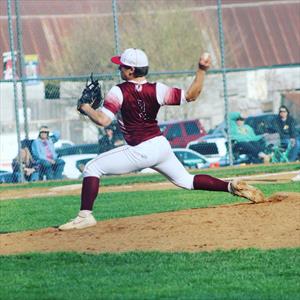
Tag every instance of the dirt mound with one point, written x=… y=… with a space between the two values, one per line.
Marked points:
x=273 y=224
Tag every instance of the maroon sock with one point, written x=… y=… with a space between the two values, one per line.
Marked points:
x=209 y=183
x=89 y=192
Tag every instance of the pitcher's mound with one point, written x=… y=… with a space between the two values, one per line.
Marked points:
x=272 y=224
x=280 y=196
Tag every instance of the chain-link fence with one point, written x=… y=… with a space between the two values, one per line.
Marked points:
x=50 y=48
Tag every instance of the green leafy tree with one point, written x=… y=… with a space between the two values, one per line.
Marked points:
x=85 y=49
x=170 y=35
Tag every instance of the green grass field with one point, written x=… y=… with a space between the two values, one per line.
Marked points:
x=244 y=274
x=238 y=274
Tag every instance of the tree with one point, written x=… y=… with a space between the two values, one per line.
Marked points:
x=171 y=38
x=86 y=49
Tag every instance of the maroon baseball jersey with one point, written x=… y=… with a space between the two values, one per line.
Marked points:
x=137 y=105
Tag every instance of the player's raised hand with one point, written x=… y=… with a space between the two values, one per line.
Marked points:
x=205 y=61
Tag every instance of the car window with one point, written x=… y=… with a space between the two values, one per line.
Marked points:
x=179 y=155
x=191 y=128
x=174 y=131
x=185 y=155
x=205 y=148
x=193 y=156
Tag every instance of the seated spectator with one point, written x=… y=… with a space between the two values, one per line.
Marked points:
x=246 y=140
x=44 y=153
x=30 y=166
x=285 y=124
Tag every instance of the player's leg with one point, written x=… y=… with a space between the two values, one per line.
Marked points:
x=176 y=173
x=58 y=168
x=250 y=150
x=46 y=169
x=34 y=176
x=293 y=150
x=172 y=168
x=120 y=160
x=115 y=161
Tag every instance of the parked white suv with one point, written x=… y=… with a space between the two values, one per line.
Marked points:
x=214 y=149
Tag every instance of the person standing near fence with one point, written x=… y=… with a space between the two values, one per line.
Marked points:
x=137 y=102
x=285 y=125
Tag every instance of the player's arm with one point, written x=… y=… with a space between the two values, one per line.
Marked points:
x=97 y=116
x=195 y=88
x=106 y=114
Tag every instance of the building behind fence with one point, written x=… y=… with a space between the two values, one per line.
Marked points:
x=262 y=60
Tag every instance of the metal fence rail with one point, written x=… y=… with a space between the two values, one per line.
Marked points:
x=183 y=29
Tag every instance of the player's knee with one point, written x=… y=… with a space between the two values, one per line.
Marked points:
x=185 y=182
x=92 y=169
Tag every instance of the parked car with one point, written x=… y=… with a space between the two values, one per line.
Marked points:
x=212 y=145
x=180 y=133
x=74 y=164
x=214 y=149
x=191 y=159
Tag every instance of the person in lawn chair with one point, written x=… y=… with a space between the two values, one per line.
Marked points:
x=245 y=141
x=44 y=153
x=29 y=165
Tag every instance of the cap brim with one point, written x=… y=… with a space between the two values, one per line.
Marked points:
x=116 y=60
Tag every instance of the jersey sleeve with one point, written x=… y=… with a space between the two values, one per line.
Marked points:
x=169 y=95
x=112 y=102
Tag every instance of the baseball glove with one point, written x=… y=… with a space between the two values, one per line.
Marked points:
x=90 y=95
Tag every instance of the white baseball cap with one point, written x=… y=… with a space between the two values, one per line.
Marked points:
x=131 y=57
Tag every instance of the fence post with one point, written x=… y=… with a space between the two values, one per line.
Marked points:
x=221 y=41
x=12 y=50
x=116 y=29
x=21 y=65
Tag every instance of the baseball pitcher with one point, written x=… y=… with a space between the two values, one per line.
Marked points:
x=136 y=103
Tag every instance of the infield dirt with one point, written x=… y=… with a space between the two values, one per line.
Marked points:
x=273 y=224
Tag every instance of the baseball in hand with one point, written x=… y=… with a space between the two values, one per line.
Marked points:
x=205 y=56
x=205 y=61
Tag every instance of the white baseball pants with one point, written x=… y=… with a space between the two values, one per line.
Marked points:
x=155 y=153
